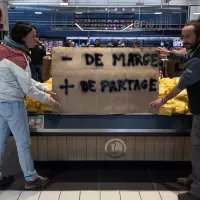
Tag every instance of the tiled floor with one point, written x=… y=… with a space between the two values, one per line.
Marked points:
x=88 y=195
x=102 y=181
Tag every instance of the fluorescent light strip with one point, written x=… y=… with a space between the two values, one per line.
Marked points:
x=38 y=13
x=34 y=3
x=128 y=38
x=196 y=13
x=78 y=26
x=157 y=13
x=64 y=4
x=39 y=3
x=127 y=27
x=15 y=12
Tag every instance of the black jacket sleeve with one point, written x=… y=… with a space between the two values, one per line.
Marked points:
x=43 y=51
x=182 y=57
x=191 y=75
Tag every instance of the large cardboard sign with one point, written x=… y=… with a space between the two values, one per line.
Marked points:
x=105 y=80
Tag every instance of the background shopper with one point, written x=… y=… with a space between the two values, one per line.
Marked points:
x=37 y=54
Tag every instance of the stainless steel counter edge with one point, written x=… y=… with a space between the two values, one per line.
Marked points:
x=85 y=114
x=109 y=130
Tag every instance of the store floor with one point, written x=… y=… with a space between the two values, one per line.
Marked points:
x=98 y=180
x=102 y=181
x=107 y=176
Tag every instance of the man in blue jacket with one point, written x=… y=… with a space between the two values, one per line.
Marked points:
x=189 y=80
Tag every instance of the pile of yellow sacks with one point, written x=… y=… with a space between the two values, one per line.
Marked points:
x=34 y=106
x=179 y=104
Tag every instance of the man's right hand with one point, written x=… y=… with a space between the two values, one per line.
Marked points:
x=162 y=51
x=53 y=103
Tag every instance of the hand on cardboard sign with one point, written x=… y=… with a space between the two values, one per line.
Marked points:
x=162 y=51
x=156 y=104
x=53 y=103
x=49 y=91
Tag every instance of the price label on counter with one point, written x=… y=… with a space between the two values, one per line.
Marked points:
x=36 y=122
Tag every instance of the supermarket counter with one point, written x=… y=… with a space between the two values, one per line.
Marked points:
x=113 y=125
x=110 y=137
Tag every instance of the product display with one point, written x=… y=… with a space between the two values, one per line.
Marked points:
x=50 y=43
x=179 y=104
x=34 y=106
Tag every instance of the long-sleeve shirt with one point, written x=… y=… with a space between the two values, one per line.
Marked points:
x=190 y=79
x=15 y=77
x=191 y=74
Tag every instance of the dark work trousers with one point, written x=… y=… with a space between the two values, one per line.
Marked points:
x=36 y=71
x=195 y=156
x=190 y=178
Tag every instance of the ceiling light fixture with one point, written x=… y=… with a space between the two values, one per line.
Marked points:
x=64 y=4
x=127 y=27
x=157 y=13
x=34 y=4
x=78 y=26
x=38 y=13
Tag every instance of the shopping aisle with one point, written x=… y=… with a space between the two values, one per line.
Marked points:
x=88 y=195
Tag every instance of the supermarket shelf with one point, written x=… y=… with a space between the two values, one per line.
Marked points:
x=114 y=125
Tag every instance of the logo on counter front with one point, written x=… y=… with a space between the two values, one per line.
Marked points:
x=115 y=148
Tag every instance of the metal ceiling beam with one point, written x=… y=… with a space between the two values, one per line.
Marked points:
x=104 y=3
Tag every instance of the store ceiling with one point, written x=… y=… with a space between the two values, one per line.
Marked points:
x=103 y=3
x=92 y=18
x=113 y=9
x=58 y=17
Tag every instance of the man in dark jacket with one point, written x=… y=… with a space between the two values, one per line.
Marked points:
x=37 y=54
x=97 y=43
x=189 y=80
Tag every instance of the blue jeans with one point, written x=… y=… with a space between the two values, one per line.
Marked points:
x=36 y=71
x=13 y=117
